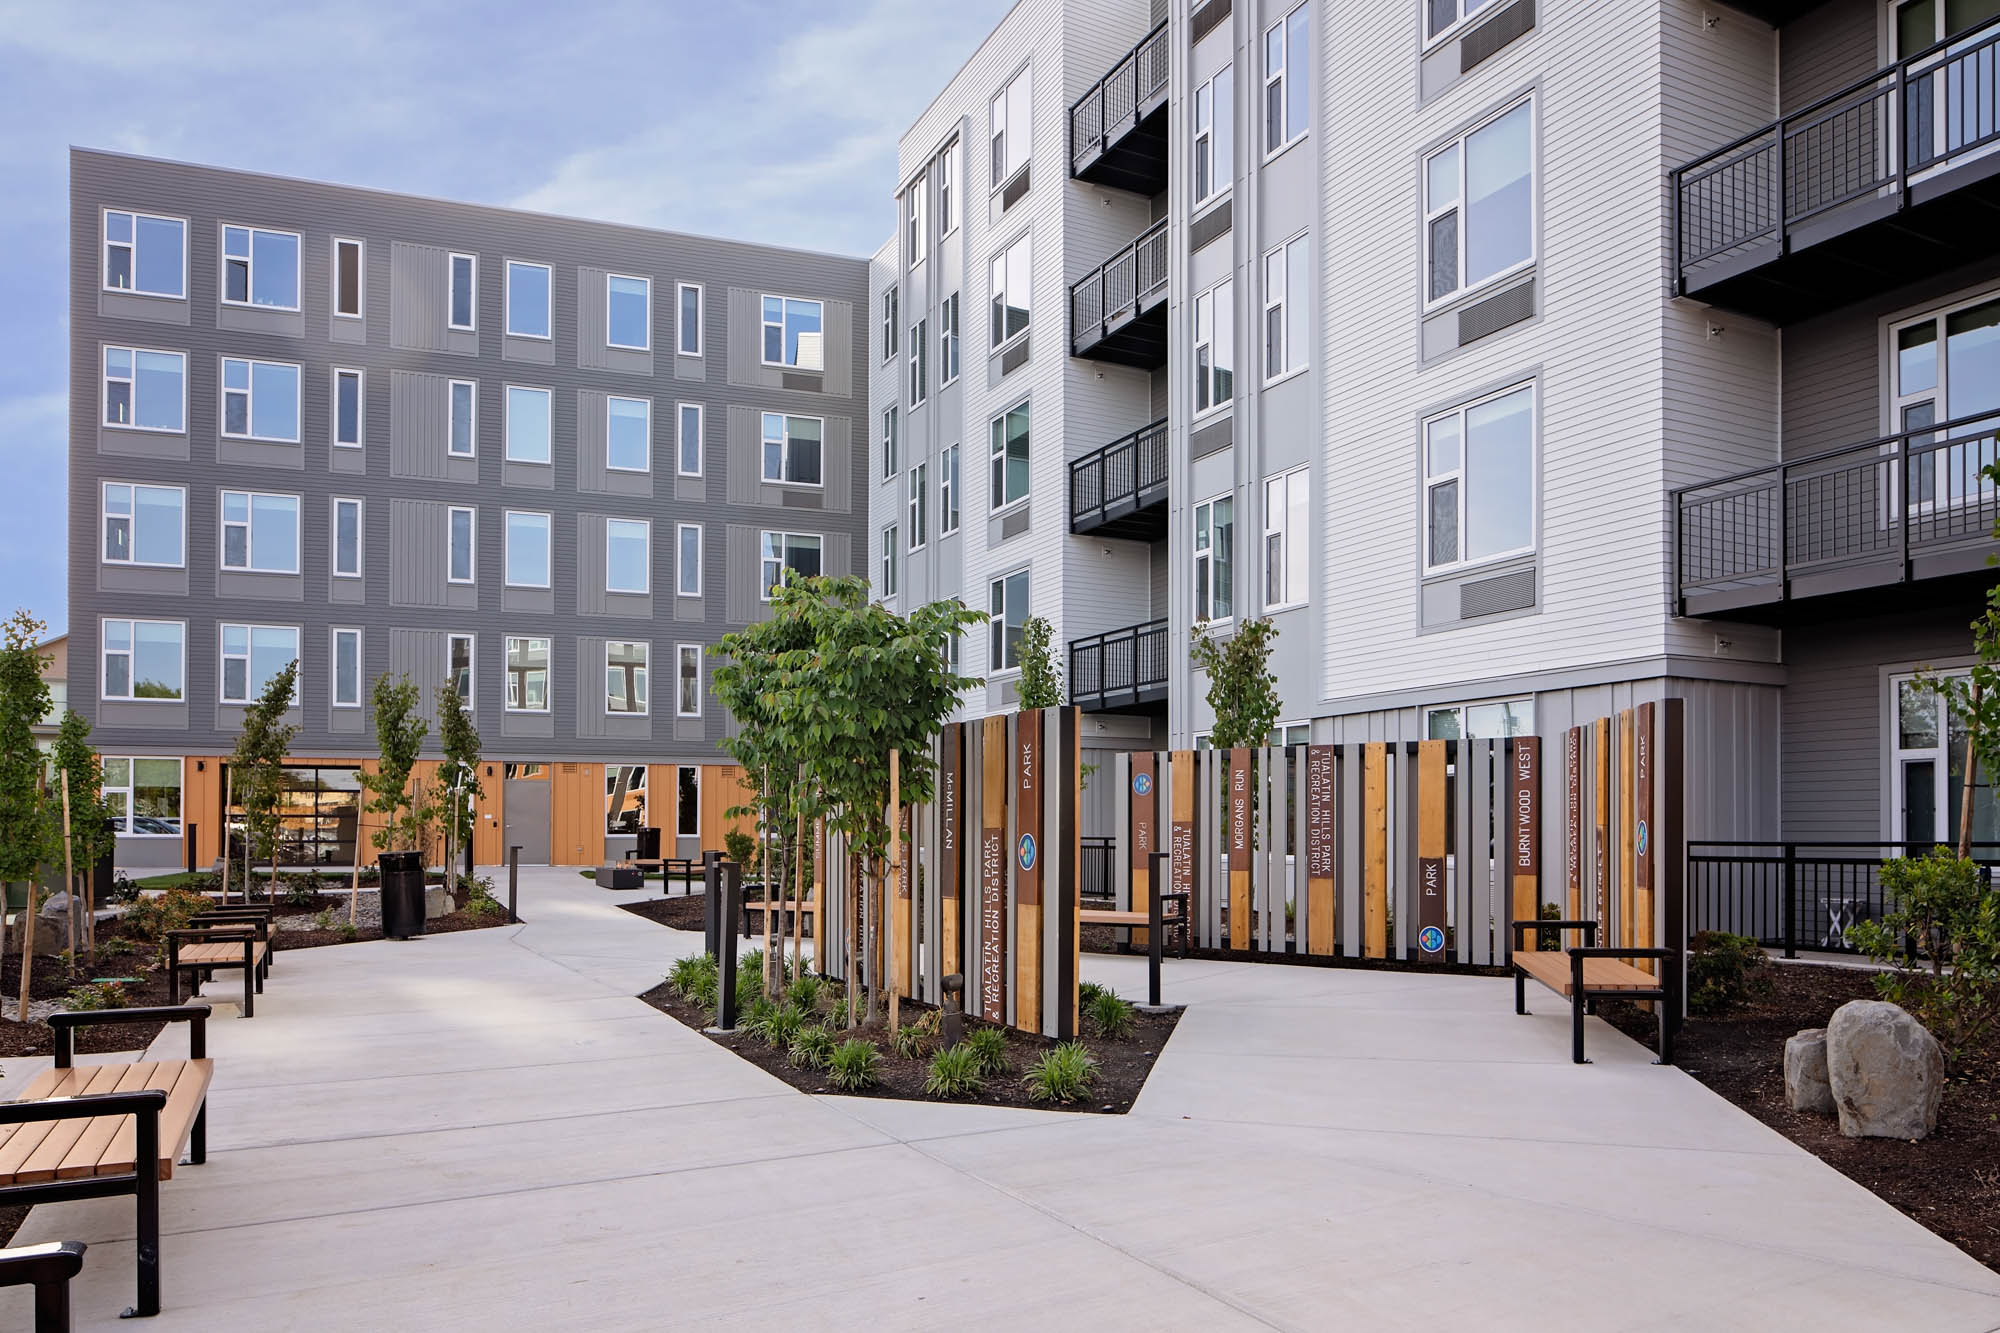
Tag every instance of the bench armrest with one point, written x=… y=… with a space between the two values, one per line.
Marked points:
x=64 y=1023
x=35 y=1265
x=1589 y=928
x=228 y=930
x=146 y=1101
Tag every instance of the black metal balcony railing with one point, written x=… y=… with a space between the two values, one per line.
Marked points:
x=1127 y=286
x=1097 y=866
x=1798 y=895
x=1905 y=506
x=1849 y=159
x=1122 y=668
x=1109 y=486
x=1118 y=105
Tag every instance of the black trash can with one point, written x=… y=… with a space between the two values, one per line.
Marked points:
x=648 y=848
x=402 y=894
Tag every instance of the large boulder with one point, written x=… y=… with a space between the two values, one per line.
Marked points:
x=1806 y=1085
x=1886 y=1071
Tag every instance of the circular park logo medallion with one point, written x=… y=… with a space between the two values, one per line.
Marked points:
x=1026 y=855
x=1642 y=837
x=1142 y=783
x=1430 y=939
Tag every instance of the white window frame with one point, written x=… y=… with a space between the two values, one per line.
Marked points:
x=646 y=587
x=360 y=377
x=1463 y=706
x=471 y=690
x=682 y=324
x=610 y=466
x=132 y=624
x=892 y=319
x=223 y=657
x=1212 y=341
x=334 y=634
x=1430 y=481
x=914 y=510
x=1947 y=486
x=681 y=651
x=507 y=268
x=891 y=565
x=1205 y=565
x=683 y=567
x=948 y=491
x=785 y=457
x=1289 y=523
x=645 y=346
x=507 y=704
x=1281 y=78
x=1214 y=143
x=130 y=788
x=1431 y=213
x=105 y=379
x=450 y=282
x=950 y=343
x=948 y=168
x=920 y=377
x=104 y=252
x=763 y=323
x=360 y=277
x=681 y=411
x=249 y=431
x=1467 y=13
x=249 y=526
x=680 y=770
x=916 y=222
x=548 y=552
x=1895 y=755
x=472 y=419
x=784 y=539
x=999 y=272
x=472 y=545
x=507 y=392
x=1001 y=124
x=996 y=639
x=250 y=266
x=360 y=538
x=996 y=460
x=604 y=681
x=104 y=517
x=1292 y=304
x=891 y=450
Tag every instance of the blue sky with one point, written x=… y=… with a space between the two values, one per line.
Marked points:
x=771 y=120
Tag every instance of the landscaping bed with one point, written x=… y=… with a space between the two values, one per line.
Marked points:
x=1950 y=1182
x=684 y=911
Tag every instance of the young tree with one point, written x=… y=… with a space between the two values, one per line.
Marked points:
x=458 y=778
x=258 y=769
x=1041 y=683
x=399 y=737
x=28 y=834
x=89 y=837
x=1242 y=692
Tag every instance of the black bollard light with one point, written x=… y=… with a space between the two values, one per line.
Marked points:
x=953 y=1025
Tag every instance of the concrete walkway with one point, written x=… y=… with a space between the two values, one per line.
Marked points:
x=487 y=1131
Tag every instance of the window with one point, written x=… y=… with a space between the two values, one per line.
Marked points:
x=1494 y=720
x=464 y=413
x=890 y=321
x=145 y=254
x=144 y=796
x=347 y=668
x=260 y=400
x=687 y=698
x=1927 y=770
x=1012 y=284
x=528 y=424
x=528 y=299
x=460 y=543
x=918 y=512
x=1214 y=136
x=349 y=278
x=1008 y=455
x=144 y=659
x=916 y=229
x=346 y=538
x=260 y=532
x=628 y=555
x=1947 y=368
x=625 y=677
x=948 y=491
x=1008 y=127
x=144 y=525
x=145 y=390
x=951 y=651
x=347 y=413
x=688 y=565
x=1442 y=14
x=890 y=563
x=690 y=440
x=252 y=655
x=890 y=463
x=948 y=340
x=1287 y=518
x=1287 y=308
x=464 y=285
x=260 y=268
x=628 y=434
x=947 y=173
x=1479 y=480
x=1007 y=600
x=527 y=675
x=527 y=550
x=624 y=798
x=690 y=318
x=628 y=312
x=1215 y=346
x=793 y=332
x=785 y=554
x=1287 y=77
x=459 y=657
x=687 y=785
x=919 y=362
x=1289 y=734
x=792 y=448
x=1215 y=559
x=1479 y=201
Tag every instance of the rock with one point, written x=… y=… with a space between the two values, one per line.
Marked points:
x=437 y=902
x=1806 y=1085
x=56 y=905
x=1886 y=1072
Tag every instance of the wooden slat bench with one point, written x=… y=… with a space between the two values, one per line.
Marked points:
x=93 y=1131
x=808 y=908
x=1582 y=975
x=200 y=951
x=259 y=918
x=1106 y=916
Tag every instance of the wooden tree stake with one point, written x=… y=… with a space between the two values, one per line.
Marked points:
x=69 y=864
x=228 y=799
x=892 y=885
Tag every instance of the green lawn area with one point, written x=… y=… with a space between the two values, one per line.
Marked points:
x=179 y=879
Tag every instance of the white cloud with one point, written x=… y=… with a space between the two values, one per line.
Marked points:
x=25 y=418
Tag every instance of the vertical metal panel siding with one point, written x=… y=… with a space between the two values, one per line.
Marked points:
x=420 y=654
x=837 y=455
x=418 y=561
x=837 y=346
x=746 y=339
x=419 y=292
x=592 y=411
x=591 y=350
x=744 y=575
x=591 y=599
x=743 y=457
x=419 y=425
x=590 y=714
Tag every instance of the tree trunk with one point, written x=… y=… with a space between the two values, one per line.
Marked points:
x=228 y=799
x=1972 y=740
x=27 y=948
x=69 y=866
x=891 y=891
x=851 y=909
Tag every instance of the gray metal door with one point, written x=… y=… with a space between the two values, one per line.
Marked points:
x=527 y=818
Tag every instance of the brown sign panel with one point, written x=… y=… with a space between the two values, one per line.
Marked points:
x=1524 y=803
x=1239 y=809
x=904 y=853
x=1319 y=812
x=1642 y=828
x=1145 y=808
x=992 y=980
x=1573 y=819
x=1600 y=738
x=1028 y=810
x=1181 y=860
x=950 y=869
x=1432 y=914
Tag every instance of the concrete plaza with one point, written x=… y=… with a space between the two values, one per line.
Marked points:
x=486 y=1131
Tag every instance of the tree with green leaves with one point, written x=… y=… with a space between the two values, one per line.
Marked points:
x=1973 y=700
x=1041 y=683
x=458 y=779
x=258 y=770
x=29 y=834
x=89 y=834
x=400 y=729
x=1242 y=692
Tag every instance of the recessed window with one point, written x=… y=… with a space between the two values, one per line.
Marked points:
x=145 y=254
x=625 y=677
x=459 y=656
x=346 y=538
x=347 y=408
x=252 y=655
x=1287 y=564
x=145 y=390
x=347 y=668
x=624 y=799
x=628 y=434
x=1493 y=720
x=463 y=302
x=461 y=543
x=919 y=362
x=948 y=340
x=1012 y=286
x=349 y=277
x=145 y=525
x=528 y=424
x=687 y=799
x=1008 y=457
x=1441 y=15
x=1214 y=136
x=916 y=231
x=1287 y=308
x=628 y=555
x=793 y=333
x=145 y=659
x=527 y=550
x=690 y=319
x=462 y=437
x=785 y=555
x=1215 y=559
x=1007 y=605
x=527 y=675
x=948 y=491
x=1945 y=366
x=144 y=796
x=891 y=321
x=260 y=268
x=687 y=697
x=260 y=400
x=1479 y=204
x=260 y=532
x=528 y=302
x=1479 y=480
x=792 y=448
x=1009 y=132
x=890 y=562
x=890 y=443
x=690 y=440
x=947 y=173
x=628 y=312
x=688 y=564
x=1215 y=346
x=917 y=512
x=1287 y=79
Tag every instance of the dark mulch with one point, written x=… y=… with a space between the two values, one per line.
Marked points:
x=684 y=912
x=1950 y=1182
x=1122 y=1066
x=336 y=903
x=50 y=980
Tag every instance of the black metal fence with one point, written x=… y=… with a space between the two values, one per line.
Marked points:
x=1134 y=277
x=1104 y=478
x=1797 y=895
x=1119 y=668
x=1097 y=870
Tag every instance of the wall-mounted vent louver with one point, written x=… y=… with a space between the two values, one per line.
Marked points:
x=1514 y=591
x=1215 y=222
x=1484 y=40
x=1496 y=312
x=1017 y=189
x=1212 y=438
x=803 y=383
x=1013 y=524
x=1014 y=357
x=1206 y=18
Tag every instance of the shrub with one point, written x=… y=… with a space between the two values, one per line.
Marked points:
x=347 y=931
x=757 y=1019
x=1062 y=1074
x=96 y=995
x=124 y=889
x=481 y=905
x=1725 y=971
x=989 y=1046
x=739 y=847
x=1111 y=1016
x=1086 y=994
x=151 y=918
x=911 y=1041
x=805 y=993
x=954 y=1073
x=811 y=1048
x=116 y=947
x=853 y=1065
x=1941 y=941
x=1549 y=939
x=300 y=891
x=784 y=1024
x=324 y=919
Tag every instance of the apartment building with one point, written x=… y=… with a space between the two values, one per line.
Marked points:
x=1521 y=361
x=549 y=460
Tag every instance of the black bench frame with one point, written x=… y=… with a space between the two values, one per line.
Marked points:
x=253 y=972
x=1582 y=1000
x=259 y=918
x=143 y=1183
x=48 y=1268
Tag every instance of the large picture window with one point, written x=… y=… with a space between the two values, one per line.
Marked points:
x=527 y=300
x=528 y=548
x=1927 y=770
x=144 y=796
x=1479 y=480
x=625 y=677
x=628 y=312
x=260 y=532
x=784 y=555
x=1007 y=604
x=628 y=434
x=529 y=417
x=628 y=555
x=1479 y=204
x=1008 y=456
x=794 y=330
x=1215 y=346
x=1215 y=559
x=527 y=675
x=144 y=525
x=792 y=448
x=260 y=400
x=1008 y=127
x=252 y=655
x=145 y=254
x=1012 y=285
x=144 y=659
x=145 y=390
x=260 y=268
x=624 y=799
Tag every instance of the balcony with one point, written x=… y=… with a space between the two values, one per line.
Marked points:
x=1118 y=313
x=1884 y=182
x=1120 y=490
x=1777 y=13
x=1118 y=130
x=1124 y=670
x=1870 y=519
